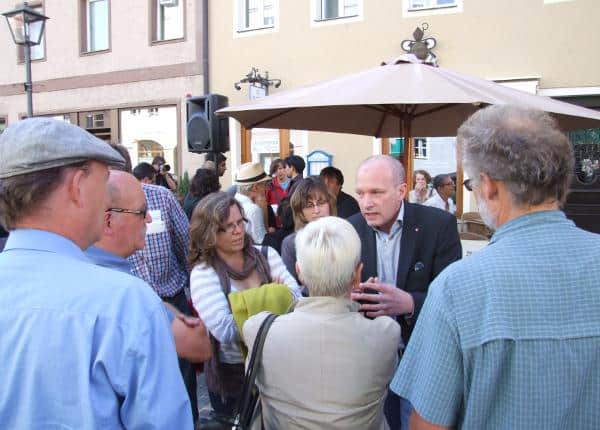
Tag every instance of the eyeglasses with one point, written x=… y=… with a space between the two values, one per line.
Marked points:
x=141 y=212
x=312 y=205
x=468 y=184
x=448 y=183
x=233 y=226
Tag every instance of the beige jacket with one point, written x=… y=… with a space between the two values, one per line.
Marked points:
x=325 y=366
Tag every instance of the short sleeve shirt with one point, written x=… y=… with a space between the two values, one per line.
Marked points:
x=509 y=338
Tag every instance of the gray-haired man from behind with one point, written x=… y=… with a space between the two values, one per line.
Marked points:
x=82 y=346
x=509 y=338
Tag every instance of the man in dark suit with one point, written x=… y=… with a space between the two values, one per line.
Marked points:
x=404 y=247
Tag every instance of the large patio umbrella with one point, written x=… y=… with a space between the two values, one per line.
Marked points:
x=403 y=99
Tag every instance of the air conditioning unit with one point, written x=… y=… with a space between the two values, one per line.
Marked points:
x=168 y=3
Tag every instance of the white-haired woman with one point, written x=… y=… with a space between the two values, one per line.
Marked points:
x=325 y=365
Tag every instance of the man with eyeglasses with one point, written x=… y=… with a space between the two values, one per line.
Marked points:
x=81 y=346
x=442 y=198
x=123 y=234
x=509 y=337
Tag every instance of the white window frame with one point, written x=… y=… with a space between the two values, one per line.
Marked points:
x=316 y=13
x=421 y=151
x=158 y=24
x=88 y=27
x=240 y=29
x=409 y=11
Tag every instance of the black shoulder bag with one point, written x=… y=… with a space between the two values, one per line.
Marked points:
x=247 y=409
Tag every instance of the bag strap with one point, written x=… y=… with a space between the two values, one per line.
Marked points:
x=245 y=409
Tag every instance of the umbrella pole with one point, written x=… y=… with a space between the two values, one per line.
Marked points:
x=407 y=157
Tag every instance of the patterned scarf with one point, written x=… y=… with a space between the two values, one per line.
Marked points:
x=225 y=383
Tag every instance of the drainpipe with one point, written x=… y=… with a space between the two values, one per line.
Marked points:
x=204 y=58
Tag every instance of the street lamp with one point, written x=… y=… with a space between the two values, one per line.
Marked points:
x=26 y=27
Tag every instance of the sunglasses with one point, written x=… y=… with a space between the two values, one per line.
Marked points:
x=468 y=184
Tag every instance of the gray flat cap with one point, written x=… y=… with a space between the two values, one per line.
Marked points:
x=36 y=144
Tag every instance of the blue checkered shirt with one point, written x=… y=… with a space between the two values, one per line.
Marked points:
x=163 y=262
x=509 y=338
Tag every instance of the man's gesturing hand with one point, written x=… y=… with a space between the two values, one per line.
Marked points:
x=384 y=299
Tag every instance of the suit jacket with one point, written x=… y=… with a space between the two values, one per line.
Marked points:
x=325 y=366
x=429 y=243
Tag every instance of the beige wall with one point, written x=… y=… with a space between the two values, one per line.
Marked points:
x=493 y=39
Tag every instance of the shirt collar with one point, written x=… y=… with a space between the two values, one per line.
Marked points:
x=107 y=259
x=243 y=198
x=327 y=304
x=397 y=225
x=529 y=220
x=43 y=240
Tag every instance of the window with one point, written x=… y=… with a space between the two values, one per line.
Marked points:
x=421 y=149
x=95 y=25
x=2 y=124
x=38 y=52
x=333 y=9
x=147 y=135
x=255 y=14
x=167 y=20
x=430 y=4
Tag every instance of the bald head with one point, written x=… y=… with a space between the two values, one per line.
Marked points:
x=380 y=189
x=385 y=164
x=125 y=224
x=122 y=187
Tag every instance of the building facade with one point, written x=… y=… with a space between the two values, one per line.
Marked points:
x=123 y=70
x=120 y=69
x=538 y=46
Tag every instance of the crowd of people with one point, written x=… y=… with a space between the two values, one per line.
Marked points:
x=112 y=291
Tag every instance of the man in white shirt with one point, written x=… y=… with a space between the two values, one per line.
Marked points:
x=251 y=182
x=444 y=187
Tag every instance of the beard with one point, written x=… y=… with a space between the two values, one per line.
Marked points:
x=486 y=216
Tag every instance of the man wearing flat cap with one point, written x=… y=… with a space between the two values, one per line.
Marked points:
x=82 y=346
x=251 y=181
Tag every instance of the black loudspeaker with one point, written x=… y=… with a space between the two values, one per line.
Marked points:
x=207 y=132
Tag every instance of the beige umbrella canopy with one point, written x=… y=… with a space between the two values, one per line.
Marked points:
x=390 y=100
x=404 y=99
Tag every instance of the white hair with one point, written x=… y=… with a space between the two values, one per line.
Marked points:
x=245 y=189
x=328 y=252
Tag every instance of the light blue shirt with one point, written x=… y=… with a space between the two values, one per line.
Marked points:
x=111 y=261
x=509 y=338
x=388 y=250
x=81 y=346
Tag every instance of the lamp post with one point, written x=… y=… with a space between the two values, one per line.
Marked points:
x=26 y=27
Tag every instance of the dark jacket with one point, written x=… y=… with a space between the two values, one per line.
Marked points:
x=429 y=243
x=346 y=205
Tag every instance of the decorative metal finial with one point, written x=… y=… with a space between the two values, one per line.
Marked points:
x=420 y=47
